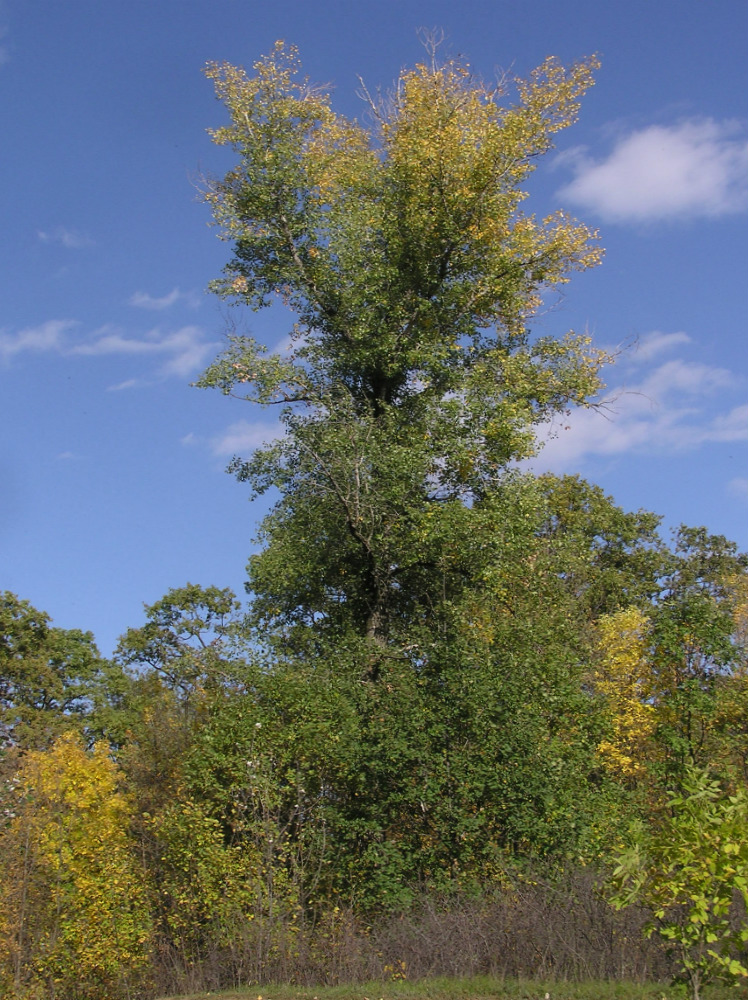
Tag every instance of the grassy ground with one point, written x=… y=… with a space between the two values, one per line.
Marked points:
x=480 y=988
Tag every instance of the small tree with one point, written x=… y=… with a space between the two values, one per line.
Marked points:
x=186 y=642
x=74 y=919
x=690 y=871
x=49 y=677
x=622 y=679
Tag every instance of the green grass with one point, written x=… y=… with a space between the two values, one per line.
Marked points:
x=478 y=988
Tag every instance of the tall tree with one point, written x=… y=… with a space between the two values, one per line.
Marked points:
x=407 y=562
x=412 y=379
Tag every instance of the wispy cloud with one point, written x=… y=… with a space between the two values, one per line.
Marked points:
x=142 y=300
x=183 y=350
x=189 y=351
x=178 y=353
x=698 y=167
x=48 y=337
x=243 y=437
x=72 y=239
x=668 y=408
x=652 y=344
x=733 y=426
x=680 y=378
x=129 y=383
x=111 y=341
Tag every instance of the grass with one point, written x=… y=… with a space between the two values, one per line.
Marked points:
x=478 y=988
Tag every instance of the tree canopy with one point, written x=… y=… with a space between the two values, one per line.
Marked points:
x=412 y=379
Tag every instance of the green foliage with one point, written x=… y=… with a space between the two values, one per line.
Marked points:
x=414 y=376
x=186 y=641
x=49 y=677
x=434 y=761
x=447 y=600
x=173 y=669
x=691 y=870
x=610 y=559
x=410 y=231
x=696 y=654
x=404 y=565
x=207 y=890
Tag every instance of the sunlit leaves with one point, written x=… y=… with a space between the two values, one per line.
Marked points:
x=75 y=908
x=206 y=888
x=411 y=378
x=623 y=677
x=691 y=870
x=397 y=246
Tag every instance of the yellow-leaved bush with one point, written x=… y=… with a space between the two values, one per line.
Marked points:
x=622 y=677
x=209 y=892
x=74 y=914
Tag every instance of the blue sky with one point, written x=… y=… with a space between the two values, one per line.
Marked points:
x=112 y=487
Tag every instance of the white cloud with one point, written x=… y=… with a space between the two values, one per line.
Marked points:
x=188 y=351
x=733 y=426
x=143 y=300
x=117 y=343
x=655 y=343
x=686 y=377
x=180 y=352
x=49 y=336
x=184 y=350
x=73 y=239
x=668 y=410
x=129 y=383
x=244 y=436
x=698 y=167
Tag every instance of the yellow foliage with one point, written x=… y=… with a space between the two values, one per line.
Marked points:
x=204 y=883
x=622 y=677
x=324 y=202
x=73 y=900
x=737 y=588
